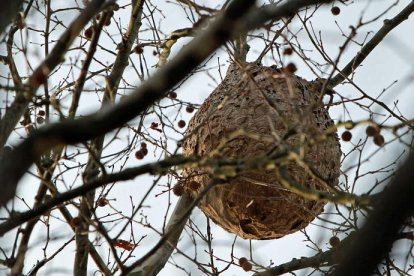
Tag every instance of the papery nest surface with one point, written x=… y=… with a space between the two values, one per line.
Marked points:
x=259 y=112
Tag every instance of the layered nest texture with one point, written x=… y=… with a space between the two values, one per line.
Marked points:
x=259 y=112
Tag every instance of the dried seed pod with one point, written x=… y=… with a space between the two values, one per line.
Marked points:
x=138 y=49
x=261 y=100
x=245 y=264
x=139 y=154
x=371 y=131
x=287 y=51
x=76 y=222
x=291 y=68
x=379 y=140
x=89 y=32
x=335 y=10
x=181 y=123
x=172 y=95
x=144 y=151
x=102 y=201
x=178 y=190
x=346 y=136
x=334 y=241
x=189 y=109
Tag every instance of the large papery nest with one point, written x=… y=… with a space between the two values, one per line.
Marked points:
x=251 y=115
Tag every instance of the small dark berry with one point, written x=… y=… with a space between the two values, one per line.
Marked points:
x=335 y=10
x=102 y=202
x=40 y=120
x=143 y=145
x=288 y=51
x=139 y=155
x=154 y=53
x=88 y=33
x=144 y=151
x=334 y=241
x=243 y=260
x=371 y=131
x=76 y=222
x=245 y=264
x=154 y=125
x=379 y=140
x=346 y=136
x=172 y=95
x=41 y=113
x=189 y=109
x=138 y=49
x=178 y=190
x=291 y=68
x=181 y=123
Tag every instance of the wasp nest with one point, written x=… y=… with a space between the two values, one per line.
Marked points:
x=255 y=112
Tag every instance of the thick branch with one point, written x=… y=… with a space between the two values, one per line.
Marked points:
x=92 y=168
x=39 y=76
x=8 y=10
x=317 y=260
x=175 y=226
x=389 y=25
x=375 y=238
x=71 y=132
x=155 y=259
x=127 y=174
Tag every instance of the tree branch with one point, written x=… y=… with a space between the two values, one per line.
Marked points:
x=127 y=174
x=92 y=166
x=374 y=240
x=8 y=10
x=175 y=226
x=389 y=25
x=71 y=132
x=39 y=76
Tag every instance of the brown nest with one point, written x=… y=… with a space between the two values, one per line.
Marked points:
x=255 y=112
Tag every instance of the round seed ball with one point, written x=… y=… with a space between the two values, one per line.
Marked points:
x=138 y=49
x=189 y=109
x=291 y=68
x=346 y=136
x=371 y=131
x=139 y=155
x=178 y=190
x=181 y=123
x=101 y=202
x=88 y=32
x=379 y=140
x=287 y=51
x=335 y=10
x=334 y=241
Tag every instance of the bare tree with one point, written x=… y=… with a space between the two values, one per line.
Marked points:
x=95 y=100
